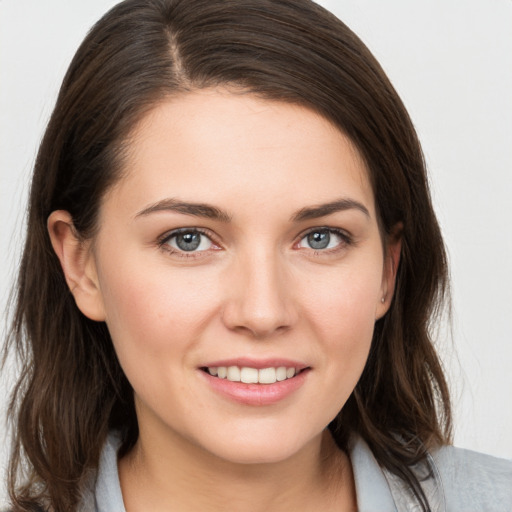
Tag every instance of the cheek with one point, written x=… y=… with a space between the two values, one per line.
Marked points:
x=151 y=312
x=345 y=300
x=342 y=312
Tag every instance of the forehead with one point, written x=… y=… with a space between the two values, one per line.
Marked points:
x=216 y=145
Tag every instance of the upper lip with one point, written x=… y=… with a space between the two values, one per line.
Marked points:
x=273 y=362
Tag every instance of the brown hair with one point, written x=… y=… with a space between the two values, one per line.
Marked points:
x=72 y=390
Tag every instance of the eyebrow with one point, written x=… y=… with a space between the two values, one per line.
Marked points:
x=212 y=212
x=321 y=210
x=195 y=209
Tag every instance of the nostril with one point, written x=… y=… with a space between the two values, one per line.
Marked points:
x=259 y=300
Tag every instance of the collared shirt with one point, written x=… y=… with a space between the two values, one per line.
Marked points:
x=462 y=481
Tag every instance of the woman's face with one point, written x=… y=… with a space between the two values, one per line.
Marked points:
x=243 y=240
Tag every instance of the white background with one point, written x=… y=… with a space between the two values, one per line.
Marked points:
x=450 y=60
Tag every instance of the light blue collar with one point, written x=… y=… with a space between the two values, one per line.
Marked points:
x=372 y=489
x=373 y=492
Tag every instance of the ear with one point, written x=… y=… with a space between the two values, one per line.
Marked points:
x=391 y=261
x=78 y=264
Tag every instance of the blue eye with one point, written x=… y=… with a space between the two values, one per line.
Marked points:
x=189 y=241
x=320 y=239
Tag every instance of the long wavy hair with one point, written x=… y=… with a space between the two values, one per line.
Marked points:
x=71 y=390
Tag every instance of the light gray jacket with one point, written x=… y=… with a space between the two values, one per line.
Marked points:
x=463 y=481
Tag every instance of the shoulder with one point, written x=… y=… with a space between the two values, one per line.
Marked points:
x=458 y=481
x=105 y=495
x=473 y=481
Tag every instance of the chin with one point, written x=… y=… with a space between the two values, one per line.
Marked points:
x=257 y=455
x=259 y=449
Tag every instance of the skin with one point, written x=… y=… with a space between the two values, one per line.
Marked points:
x=254 y=288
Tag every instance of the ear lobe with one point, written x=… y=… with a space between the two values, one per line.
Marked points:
x=391 y=262
x=77 y=263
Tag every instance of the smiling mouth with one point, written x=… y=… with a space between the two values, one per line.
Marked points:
x=249 y=375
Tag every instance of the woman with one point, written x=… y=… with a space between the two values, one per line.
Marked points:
x=231 y=265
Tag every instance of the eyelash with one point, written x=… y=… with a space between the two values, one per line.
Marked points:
x=346 y=239
x=163 y=241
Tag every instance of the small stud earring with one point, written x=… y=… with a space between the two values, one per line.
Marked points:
x=383 y=300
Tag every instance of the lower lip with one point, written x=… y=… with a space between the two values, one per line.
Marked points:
x=256 y=394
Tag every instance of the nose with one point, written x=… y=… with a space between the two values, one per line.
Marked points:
x=260 y=299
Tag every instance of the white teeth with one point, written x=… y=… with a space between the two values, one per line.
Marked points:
x=249 y=375
x=281 y=373
x=233 y=374
x=267 y=376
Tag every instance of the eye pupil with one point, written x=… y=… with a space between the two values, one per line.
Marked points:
x=188 y=241
x=319 y=239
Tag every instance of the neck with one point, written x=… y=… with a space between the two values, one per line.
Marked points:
x=165 y=476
